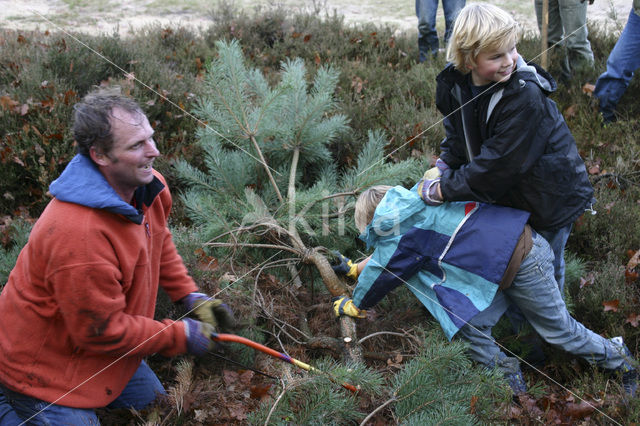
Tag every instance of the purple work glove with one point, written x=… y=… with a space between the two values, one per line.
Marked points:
x=441 y=165
x=428 y=190
x=209 y=310
x=199 y=340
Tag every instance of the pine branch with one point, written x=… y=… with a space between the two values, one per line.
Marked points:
x=266 y=167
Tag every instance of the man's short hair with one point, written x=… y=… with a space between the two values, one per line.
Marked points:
x=480 y=27
x=366 y=205
x=92 y=118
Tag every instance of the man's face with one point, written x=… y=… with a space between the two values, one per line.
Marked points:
x=494 y=65
x=128 y=164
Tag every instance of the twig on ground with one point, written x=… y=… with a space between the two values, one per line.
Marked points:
x=378 y=333
x=380 y=407
x=276 y=402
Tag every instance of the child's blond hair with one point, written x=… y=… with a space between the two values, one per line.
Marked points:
x=366 y=205
x=480 y=27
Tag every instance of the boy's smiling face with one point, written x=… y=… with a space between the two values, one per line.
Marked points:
x=494 y=65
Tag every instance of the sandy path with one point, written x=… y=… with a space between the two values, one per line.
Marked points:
x=96 y=16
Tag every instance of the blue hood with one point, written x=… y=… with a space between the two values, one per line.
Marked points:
x=82 y=183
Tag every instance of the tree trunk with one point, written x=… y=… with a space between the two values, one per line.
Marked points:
x=352 y=351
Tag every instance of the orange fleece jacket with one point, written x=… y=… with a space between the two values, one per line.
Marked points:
x=76 y=316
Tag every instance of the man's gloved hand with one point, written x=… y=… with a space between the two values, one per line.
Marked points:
x=345 y=266
x=344 y=306
x=211 y=311
x=199 y=340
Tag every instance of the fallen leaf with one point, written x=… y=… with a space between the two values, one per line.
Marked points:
x=237 y=411
x=633 y=319
x=634 y=260
x=594 y=170
x=231 y=378
x=588 y=88
x=472 y=406
x=260 y=392
x=588 y=280
x=630 y=276
x=7 y=103
x=580 y=410
x=571 y=111
x=307 y=38
x=611 y=305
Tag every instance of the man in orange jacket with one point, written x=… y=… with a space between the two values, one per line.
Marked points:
x=77 y=313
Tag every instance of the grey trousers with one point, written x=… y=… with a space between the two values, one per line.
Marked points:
x=567 y=27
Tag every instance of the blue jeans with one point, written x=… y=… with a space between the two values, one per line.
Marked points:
x=535 y=292
x=426 y=10
x=16 y=408
x=557 y=239
x=623 y=60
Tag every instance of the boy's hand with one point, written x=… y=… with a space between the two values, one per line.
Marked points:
x=429 y=191
x=441 y=165
x=345 y=266
x=344 y=306
x=432 y=173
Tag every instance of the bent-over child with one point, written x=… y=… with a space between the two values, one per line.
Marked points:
x=466 y=262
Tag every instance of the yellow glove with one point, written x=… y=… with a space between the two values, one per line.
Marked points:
x=345 y=266
x=211 y=311
x=344 y=306
x=432 y=173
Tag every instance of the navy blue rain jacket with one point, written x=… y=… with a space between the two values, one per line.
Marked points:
x=521 y=153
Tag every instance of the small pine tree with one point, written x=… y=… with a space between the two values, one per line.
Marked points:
x=316 y=400
x=272 y=187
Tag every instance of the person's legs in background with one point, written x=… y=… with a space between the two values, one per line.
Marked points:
x=623 y=61
x=573 y=14
x=451 y=8
x=555 y=33
x=427 y=35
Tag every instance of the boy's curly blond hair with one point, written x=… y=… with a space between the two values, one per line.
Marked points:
x=480 y=27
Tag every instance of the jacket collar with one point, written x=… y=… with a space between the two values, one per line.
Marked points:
x=82 y=183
